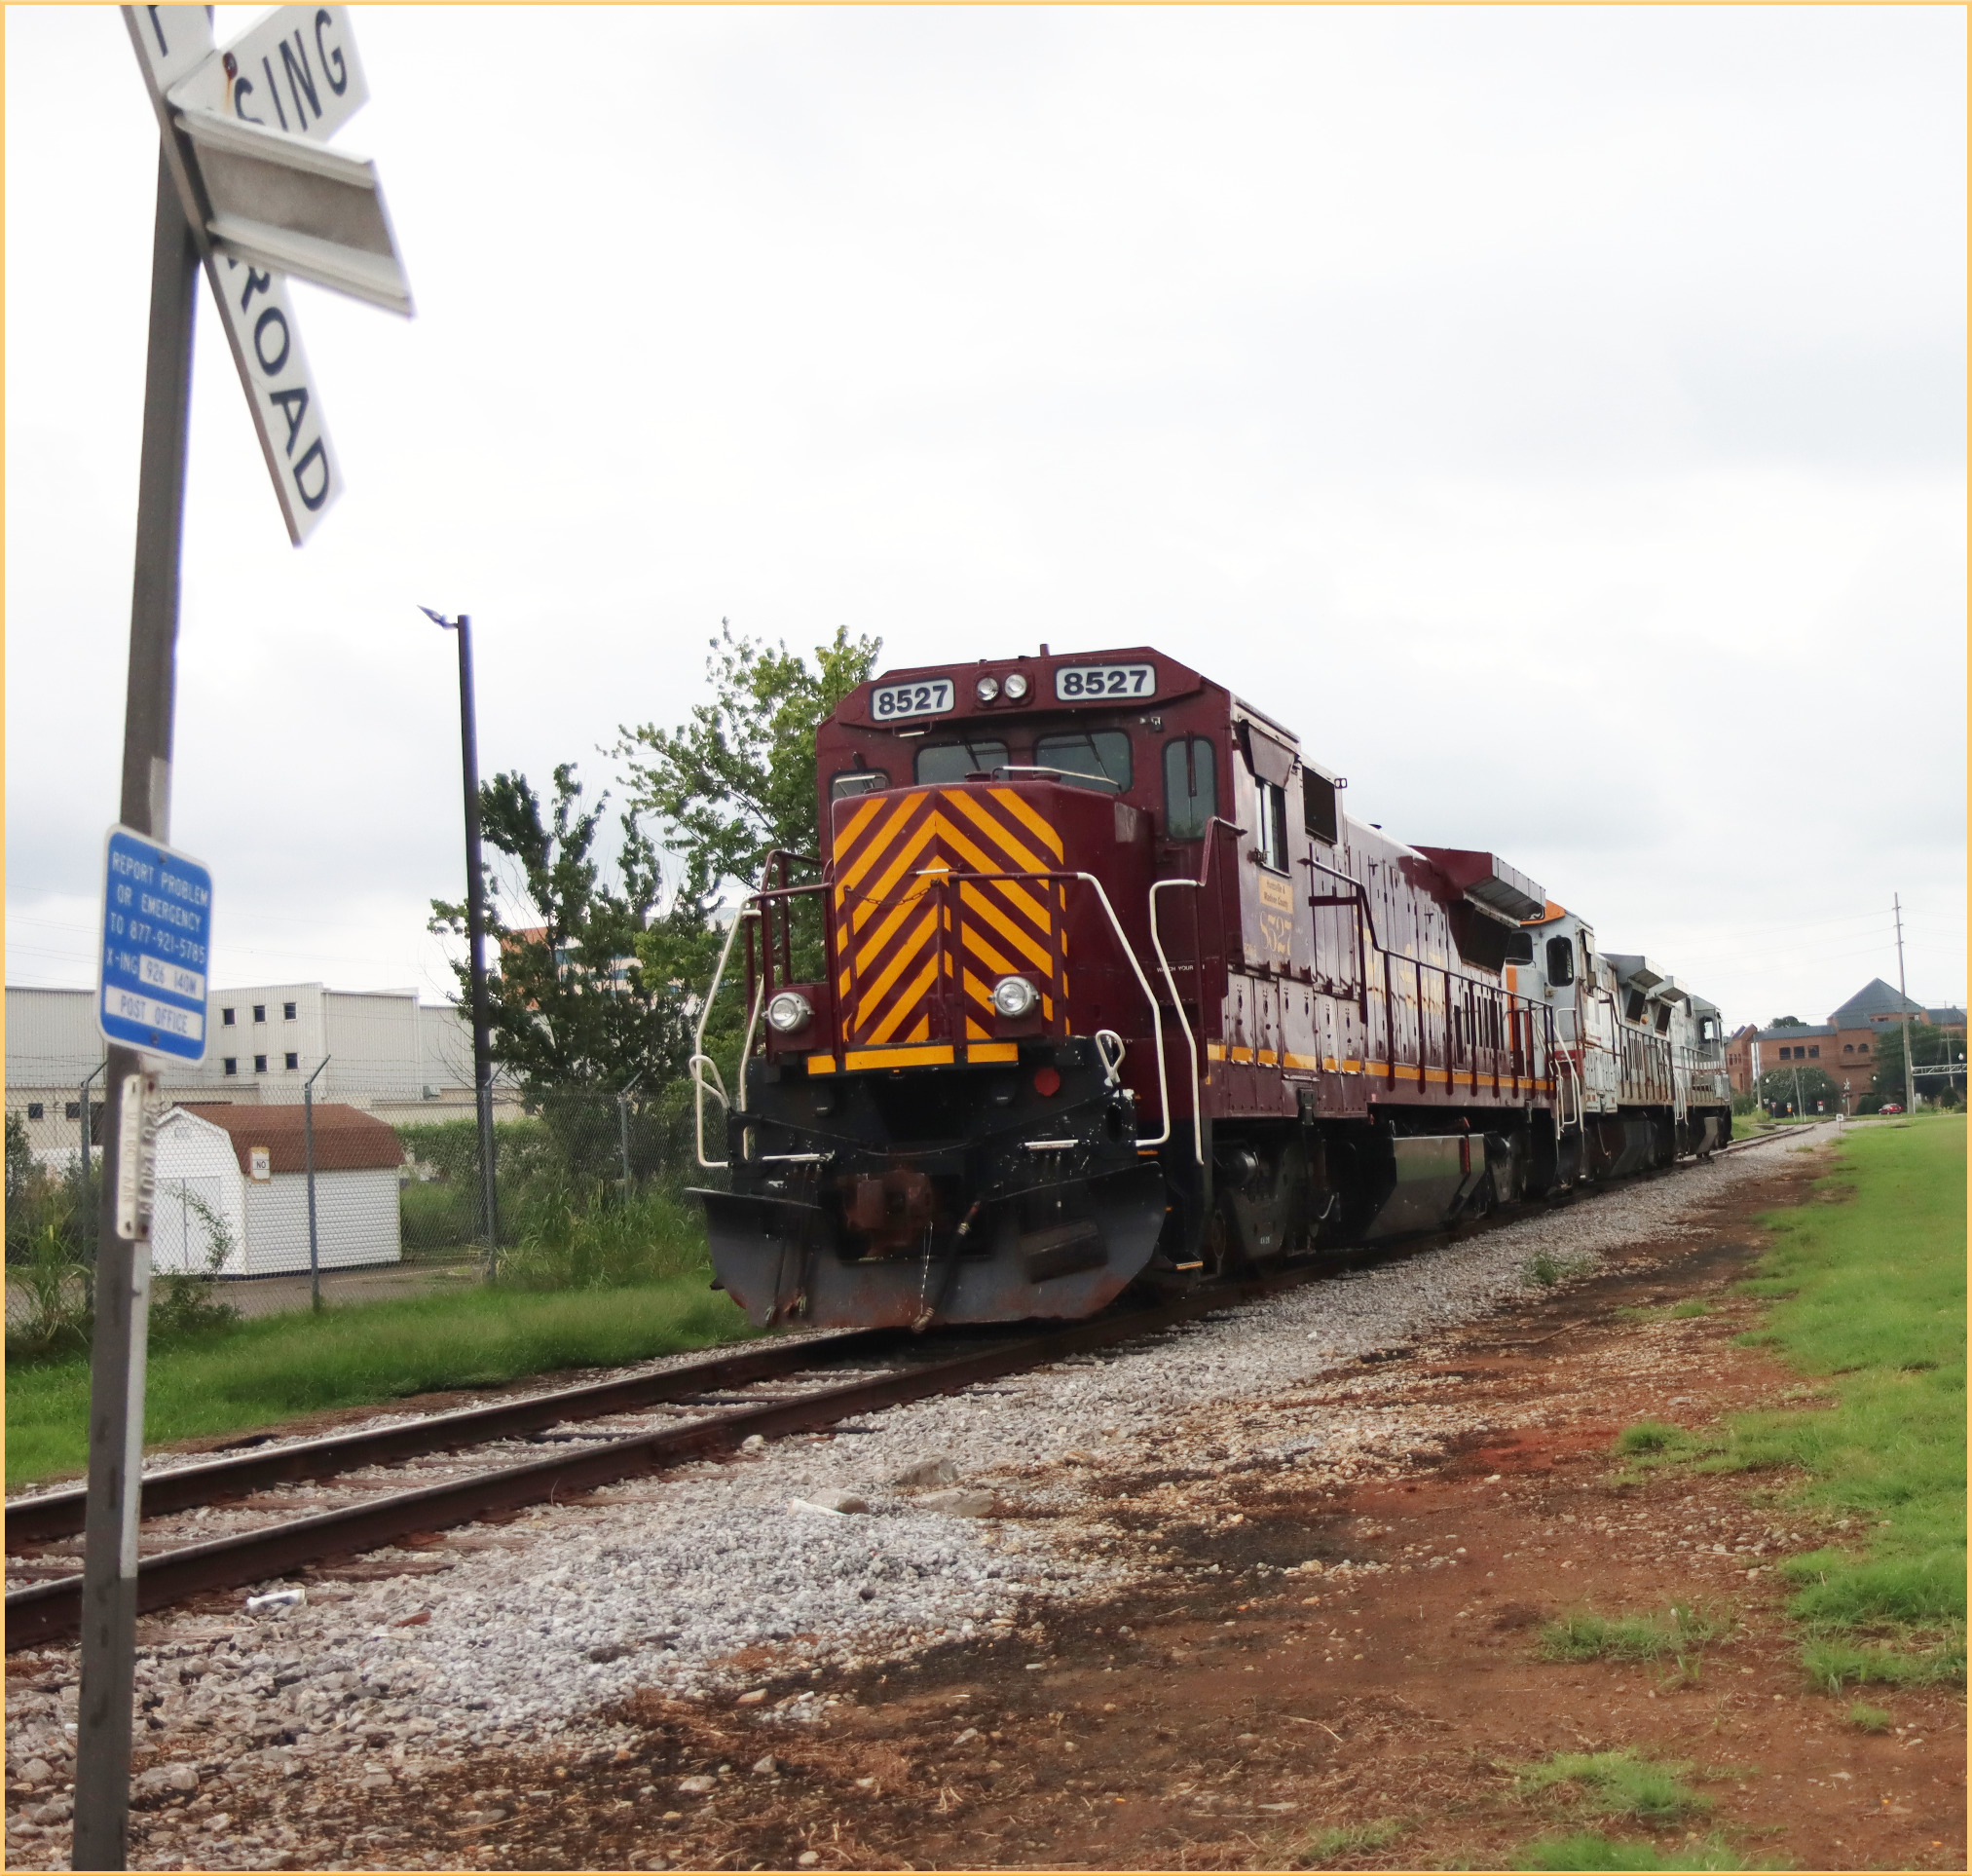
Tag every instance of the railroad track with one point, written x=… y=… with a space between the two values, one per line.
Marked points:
x=584 y=1458
x=784 y=1388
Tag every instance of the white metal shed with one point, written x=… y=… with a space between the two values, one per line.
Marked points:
x=233 y=1190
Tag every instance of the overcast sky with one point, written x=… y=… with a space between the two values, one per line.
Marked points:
x=1556 y=416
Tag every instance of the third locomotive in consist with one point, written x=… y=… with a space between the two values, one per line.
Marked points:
x=1112 y=992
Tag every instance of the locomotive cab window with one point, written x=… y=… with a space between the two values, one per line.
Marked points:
x=953 y=761
x=1190 y=787
x=1101 y=756
x=1561 y=961
x=1317 y=806
x=1520 y=947
x=852 y=782
x=1273 y=828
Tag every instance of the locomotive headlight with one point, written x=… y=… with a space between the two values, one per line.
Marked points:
x=1014 y=997
x=986 y=689
x=1016 y=685
x=789 y=1012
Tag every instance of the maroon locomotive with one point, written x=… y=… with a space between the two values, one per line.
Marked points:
x=1115 y=993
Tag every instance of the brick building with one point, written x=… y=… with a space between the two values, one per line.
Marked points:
x=1846 y=1046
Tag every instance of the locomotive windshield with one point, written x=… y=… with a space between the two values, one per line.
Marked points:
x=953 y=761
x=1100 y=755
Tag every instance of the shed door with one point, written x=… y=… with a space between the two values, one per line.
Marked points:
x=189 y=1227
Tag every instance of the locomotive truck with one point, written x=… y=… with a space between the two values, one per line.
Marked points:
x=1111 y=993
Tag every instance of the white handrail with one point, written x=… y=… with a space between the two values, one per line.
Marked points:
x=697 y=1065
x=1149 y=996
x=1183 y=1021
x=698 y=1053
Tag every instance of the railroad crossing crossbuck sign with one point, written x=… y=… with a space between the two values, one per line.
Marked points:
x=244 y=128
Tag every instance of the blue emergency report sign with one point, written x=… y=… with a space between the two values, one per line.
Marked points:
x=157 y=941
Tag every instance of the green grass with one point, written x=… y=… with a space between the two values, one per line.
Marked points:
x=1652 y=1436
x=257 y=1373
x=1587 y=1637
x=1591 y=1850
x=1547 y=1270
x=1694 y=1307
x=1867 y=1287
x=1877 y=1304
x=1379 y=1835
x=1866 y=1718
x=1619 y=1785
x=1835 y=1665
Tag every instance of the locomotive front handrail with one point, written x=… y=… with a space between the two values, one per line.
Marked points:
x=699 y=1055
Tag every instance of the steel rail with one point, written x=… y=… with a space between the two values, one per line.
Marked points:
x=59 y=1514
x=49 y=1611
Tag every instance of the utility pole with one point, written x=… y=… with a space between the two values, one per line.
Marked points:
x=1904 y=998
x=308 y=1147
x=475 y=931
x=122 y=1263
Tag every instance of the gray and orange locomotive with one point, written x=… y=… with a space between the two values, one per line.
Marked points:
x=1115 y=993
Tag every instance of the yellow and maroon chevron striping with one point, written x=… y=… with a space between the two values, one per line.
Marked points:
x=918 y=945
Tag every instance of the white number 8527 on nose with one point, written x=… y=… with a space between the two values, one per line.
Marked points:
x=1085 y=683
x=928 y=697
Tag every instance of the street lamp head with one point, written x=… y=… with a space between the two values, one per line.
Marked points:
x=440 y=620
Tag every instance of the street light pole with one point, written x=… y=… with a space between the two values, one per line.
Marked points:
x=475 y=931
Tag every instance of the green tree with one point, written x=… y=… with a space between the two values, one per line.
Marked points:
x=732 y=784
x=571 y=1003
x=1929 y=1045
x=1786 y=1022
x=1779 y=1090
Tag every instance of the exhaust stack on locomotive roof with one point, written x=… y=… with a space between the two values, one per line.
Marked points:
x=1092 y=984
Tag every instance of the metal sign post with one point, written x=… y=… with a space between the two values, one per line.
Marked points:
x=123 y=1265
x=247 y=204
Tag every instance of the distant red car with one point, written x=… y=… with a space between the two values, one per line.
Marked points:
x=1891 y=1108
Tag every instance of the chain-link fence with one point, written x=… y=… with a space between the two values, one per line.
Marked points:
x=263 y=1206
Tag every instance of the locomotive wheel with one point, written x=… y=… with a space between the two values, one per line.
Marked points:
x=1220 y=1250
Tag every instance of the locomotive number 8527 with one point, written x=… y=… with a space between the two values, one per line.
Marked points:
x=1114 y=994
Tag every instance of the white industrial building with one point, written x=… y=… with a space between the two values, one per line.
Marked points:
x=390 y=1054
x=232 y=1192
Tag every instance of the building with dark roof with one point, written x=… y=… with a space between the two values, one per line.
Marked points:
x=1847 y=1045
